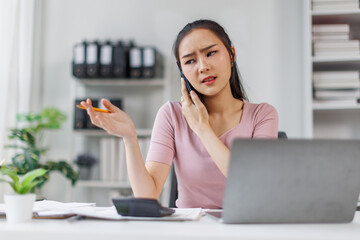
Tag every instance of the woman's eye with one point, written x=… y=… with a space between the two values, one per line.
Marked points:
x=190 y=61
x=211 y=53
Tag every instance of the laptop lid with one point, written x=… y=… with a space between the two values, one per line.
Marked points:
x=292 y=181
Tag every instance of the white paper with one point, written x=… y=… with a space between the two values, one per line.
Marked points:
x=54 y=208
x=110 y=213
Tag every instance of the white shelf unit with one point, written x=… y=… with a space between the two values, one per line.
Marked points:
x=338 y=118
x=141 y=100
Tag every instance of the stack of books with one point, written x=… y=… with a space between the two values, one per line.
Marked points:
x=113 y=158
x=326 y=5
x=334 y=40
x=336 y=85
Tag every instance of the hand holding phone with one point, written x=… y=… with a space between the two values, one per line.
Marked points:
x=189 y=87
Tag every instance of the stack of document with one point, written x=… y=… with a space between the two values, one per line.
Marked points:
x=54 y=209
x=336 y=85
x=331 y=40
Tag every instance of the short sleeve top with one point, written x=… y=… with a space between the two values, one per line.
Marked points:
x=200 y=182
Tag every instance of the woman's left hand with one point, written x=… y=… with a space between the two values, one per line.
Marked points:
x=194 y=110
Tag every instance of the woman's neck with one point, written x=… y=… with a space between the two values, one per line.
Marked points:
x=223 y=103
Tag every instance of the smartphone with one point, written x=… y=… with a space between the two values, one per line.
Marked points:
x=189 y=87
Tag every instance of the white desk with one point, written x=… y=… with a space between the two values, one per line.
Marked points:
x=205 y=228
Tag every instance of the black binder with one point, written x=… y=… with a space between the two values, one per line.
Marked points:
x=79 y=116
x=92 y=60
x=79 y=56
x=120 y=61
x=106 y=60
x=117 y=102
x=135 y=62
x=152 y=63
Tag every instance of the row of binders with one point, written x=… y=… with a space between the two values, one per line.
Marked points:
x=115 y=60
x=81 y=118
x=334 y=40
x=328 y=5
x=336 y=85
x=113 y=158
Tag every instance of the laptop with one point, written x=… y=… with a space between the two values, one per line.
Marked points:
x=292 y=181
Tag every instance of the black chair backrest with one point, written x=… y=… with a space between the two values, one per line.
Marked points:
x=282 y=135
x=173 y=187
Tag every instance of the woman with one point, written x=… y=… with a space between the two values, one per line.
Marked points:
x=197 y=132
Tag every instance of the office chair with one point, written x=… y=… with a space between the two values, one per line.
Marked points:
x=282 y=135
x=173 y=187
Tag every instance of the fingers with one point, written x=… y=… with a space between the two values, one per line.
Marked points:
x=195 y=99
x=92 y=114
x=197 y=102
x=112 y=108
x=88 y=106
x=185 y=94
x=183 y=87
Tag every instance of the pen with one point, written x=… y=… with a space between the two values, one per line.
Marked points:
x=95 y=109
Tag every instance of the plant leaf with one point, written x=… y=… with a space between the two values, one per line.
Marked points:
x=64 y=168
x=15 y=146
x=13 y=185
x=27 y=188
x=31 y=158
x=26 y=139
x=10 y=172
x=30 y=176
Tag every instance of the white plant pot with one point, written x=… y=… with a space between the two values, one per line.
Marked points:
x=19 y=207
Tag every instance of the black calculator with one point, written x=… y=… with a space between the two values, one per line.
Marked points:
x=141 y=207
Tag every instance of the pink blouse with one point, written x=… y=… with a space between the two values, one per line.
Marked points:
x=200 y=182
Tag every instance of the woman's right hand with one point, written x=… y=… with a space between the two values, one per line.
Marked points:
x=116 y=122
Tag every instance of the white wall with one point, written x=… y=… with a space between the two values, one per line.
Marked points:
x=266 y=34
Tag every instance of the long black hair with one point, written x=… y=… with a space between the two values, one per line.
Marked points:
x=236 y=86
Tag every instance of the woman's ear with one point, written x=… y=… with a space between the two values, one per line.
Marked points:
x=234 y=55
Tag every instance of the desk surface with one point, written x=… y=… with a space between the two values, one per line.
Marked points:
x=206 y=228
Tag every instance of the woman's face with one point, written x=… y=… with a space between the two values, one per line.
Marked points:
x=205 y=61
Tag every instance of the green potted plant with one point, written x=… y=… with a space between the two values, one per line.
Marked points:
x=19 y=206
x=26 y=140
